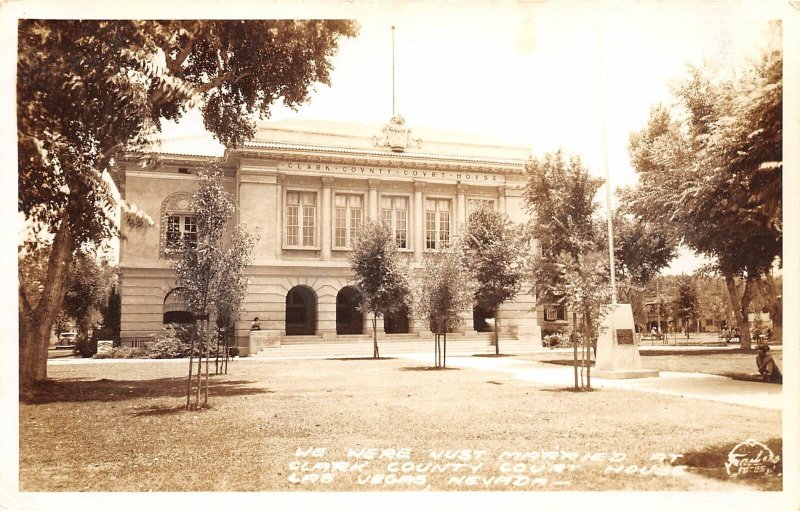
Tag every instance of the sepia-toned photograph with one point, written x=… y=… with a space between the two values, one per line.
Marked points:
x=400 y=254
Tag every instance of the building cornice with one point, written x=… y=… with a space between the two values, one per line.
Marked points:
x=346 y=156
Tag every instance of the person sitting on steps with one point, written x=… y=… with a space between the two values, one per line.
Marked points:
x=767 y=366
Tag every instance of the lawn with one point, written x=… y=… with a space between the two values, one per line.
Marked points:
x=734 y=363
x=370 y=425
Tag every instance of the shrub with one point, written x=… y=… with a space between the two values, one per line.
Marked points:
x=86 y=346
x=233 y=351
x=166 y=346
x=556 y=340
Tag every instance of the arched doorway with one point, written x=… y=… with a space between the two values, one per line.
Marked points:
x=479 y=317
x=176 y=310
x=397 y=322
x=349 y=320
x=301 y=311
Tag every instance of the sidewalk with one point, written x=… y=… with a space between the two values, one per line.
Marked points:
x=687 y=385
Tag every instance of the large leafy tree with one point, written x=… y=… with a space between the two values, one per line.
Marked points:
x=686 y=307
x=380 y=274
x=710 y=174
x=494 y=249
x=572 y=268
x=641 y=251
x=88 y=90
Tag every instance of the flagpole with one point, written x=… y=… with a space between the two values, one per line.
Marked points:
x=393 y=109
x=605 y=166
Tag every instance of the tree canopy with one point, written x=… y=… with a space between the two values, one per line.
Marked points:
x=494 y=250
x=88 y=90
x=710 y=172
x=380 y=273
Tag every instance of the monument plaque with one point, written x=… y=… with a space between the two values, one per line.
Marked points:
x=624 y=336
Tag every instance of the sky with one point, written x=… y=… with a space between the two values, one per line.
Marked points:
x=529 y=74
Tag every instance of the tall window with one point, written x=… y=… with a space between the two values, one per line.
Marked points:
x=301 y=219
x=394 y=212
x=181 y=227
x=349 y=212
x=437 y=223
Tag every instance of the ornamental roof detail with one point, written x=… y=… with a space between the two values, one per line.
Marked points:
x=396 y=136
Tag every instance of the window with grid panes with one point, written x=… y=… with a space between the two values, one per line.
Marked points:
x=394 y=212
x=301 y=219
x=181 y=227
x=348 y=216
x=437 y=223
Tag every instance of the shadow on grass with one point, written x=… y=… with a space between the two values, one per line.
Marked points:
x=361 y=358
x=429 y=368
x=711 y=462
x=695 y=353
x=492 y=355
x=579 y=390
x=105 y=390
x=748 y=377
x=566 y=362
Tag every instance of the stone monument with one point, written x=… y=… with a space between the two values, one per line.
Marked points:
x=618 y=347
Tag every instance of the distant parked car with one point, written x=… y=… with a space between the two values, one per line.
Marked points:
x=66 y=339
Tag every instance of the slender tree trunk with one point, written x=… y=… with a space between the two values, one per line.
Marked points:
x=36 y=325
x=444 y=356
x=228 y=334
x=216 y=358
x=435 y=350
x=199 y=369
x=740 y=308
x=775 y=311
x=574 y=339
x=496 y=333
x=191 y=362
x=208 y=361
x=375 y=353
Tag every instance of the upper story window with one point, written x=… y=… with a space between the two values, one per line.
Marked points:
x=349 y=214
x=394 y=212
x=301 y=219
x=177 y=224
x=437 y=223
x=555 y=313
x=180 y=228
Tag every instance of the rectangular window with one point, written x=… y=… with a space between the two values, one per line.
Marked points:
x=348 y=215
x=555 y=313
x=301 y=219
x=437 y=223
x=394 y=212
x=181 y=227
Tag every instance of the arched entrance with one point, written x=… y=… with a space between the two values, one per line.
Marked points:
x=176 y=311
x=397 y=322
x=349 y=320
x=479 y=317
x=301 y=311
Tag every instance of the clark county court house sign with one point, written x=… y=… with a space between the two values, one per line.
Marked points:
x=306 y=187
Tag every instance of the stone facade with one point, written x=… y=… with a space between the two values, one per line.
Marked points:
x=306 y=187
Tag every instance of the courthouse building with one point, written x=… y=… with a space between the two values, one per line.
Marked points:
x=306 y=187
